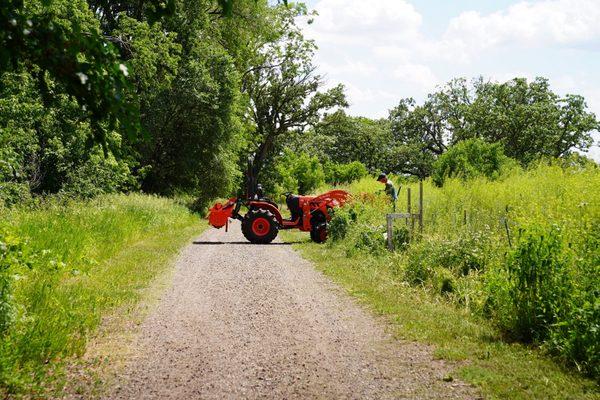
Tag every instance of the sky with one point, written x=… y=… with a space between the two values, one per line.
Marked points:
x=386 y=50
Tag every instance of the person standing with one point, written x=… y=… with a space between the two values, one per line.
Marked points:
x=390 y=189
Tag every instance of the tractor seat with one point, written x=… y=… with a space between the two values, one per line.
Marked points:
x=293 y=204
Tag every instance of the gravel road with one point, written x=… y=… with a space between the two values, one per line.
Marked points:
x=258 y=321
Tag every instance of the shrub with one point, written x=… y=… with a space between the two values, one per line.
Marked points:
x=419 y=267
x=370 y=239
x=99 y=175
x=539 y=283
x=298 y=173
x=576 y=337
x=461 y=255
x=444 y=281
x=469 y=159
x=12 y=193
x=339 y=225
x=401 y=238
x=336 y=174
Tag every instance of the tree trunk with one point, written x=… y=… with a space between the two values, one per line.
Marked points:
x=261 y=154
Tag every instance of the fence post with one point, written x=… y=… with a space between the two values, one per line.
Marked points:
x=408 y=209
x=421 y=206
x=390 y=232
x=506 y=227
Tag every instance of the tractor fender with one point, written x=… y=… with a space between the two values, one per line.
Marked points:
x=267 y=206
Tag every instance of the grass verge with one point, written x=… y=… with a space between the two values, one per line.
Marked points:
x=81 y=262
x=501 y=370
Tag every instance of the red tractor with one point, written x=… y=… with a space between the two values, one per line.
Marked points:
x=263 y=220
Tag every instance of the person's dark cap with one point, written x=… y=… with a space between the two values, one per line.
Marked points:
x=382 y=176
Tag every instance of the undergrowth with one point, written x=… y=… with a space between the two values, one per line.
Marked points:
x=62 y=270
x=517 y=258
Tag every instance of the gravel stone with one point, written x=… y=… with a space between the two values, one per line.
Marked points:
x=259 y=322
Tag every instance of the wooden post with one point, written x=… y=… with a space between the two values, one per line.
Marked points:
x=390 y=232
x=420 y=206
x=464 y=217
x=408 y=208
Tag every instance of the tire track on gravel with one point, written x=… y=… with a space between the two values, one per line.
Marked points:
x=258 y=321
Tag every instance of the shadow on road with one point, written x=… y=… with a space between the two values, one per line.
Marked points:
x=244 y=243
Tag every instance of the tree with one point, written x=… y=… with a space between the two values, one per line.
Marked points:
x=185 y=91
x=61 y=40
x=529 y=119
x=193 y=117
x=469 y=159
x=526 y=118
x=282 y=86
x=419 y=136
x=343 y=139
x=296 y=173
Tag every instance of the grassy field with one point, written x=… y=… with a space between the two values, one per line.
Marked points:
x=457 y=285
x=65 y=266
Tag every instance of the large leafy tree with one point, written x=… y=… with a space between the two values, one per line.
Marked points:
x=419 y=136
x=282 y=87
x=189 y=106
x=341 y=138
x=178 y=70
x=61 y=40
x=72 y=42
x=526 y=118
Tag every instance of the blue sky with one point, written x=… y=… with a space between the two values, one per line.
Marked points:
x=385 y=50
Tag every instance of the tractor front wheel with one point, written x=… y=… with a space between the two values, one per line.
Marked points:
x=318 y=233
x=260 y=226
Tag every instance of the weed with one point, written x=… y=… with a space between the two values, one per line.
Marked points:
x=65 y=265
x=541 y=286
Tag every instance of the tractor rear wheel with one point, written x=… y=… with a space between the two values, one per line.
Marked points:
x=319 y=233
x=259 y=226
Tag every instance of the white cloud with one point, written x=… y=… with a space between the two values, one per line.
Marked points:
x=542 y=23
x=417 y=75
x=392 y=52
x=352 y=67
x=359 y=22
x=378 y=16
x=381 y=52
x=371 y=47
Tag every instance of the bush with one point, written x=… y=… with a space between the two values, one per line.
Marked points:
x=100 y=175
x=336 y=174
x=419 y=267
x=469 y=159
x=576 y=337
x=401 y=238
x=369 y=238
x=298 y=173
x=539 y=282
x=11 y=254
x=12 y=193
x=338 y=226
x=444 y=281
x=460 y=256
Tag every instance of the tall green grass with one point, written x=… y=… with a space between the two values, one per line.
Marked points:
x=70 y=264
x=499 y=262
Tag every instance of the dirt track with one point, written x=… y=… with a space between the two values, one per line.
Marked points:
x=251 y=321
